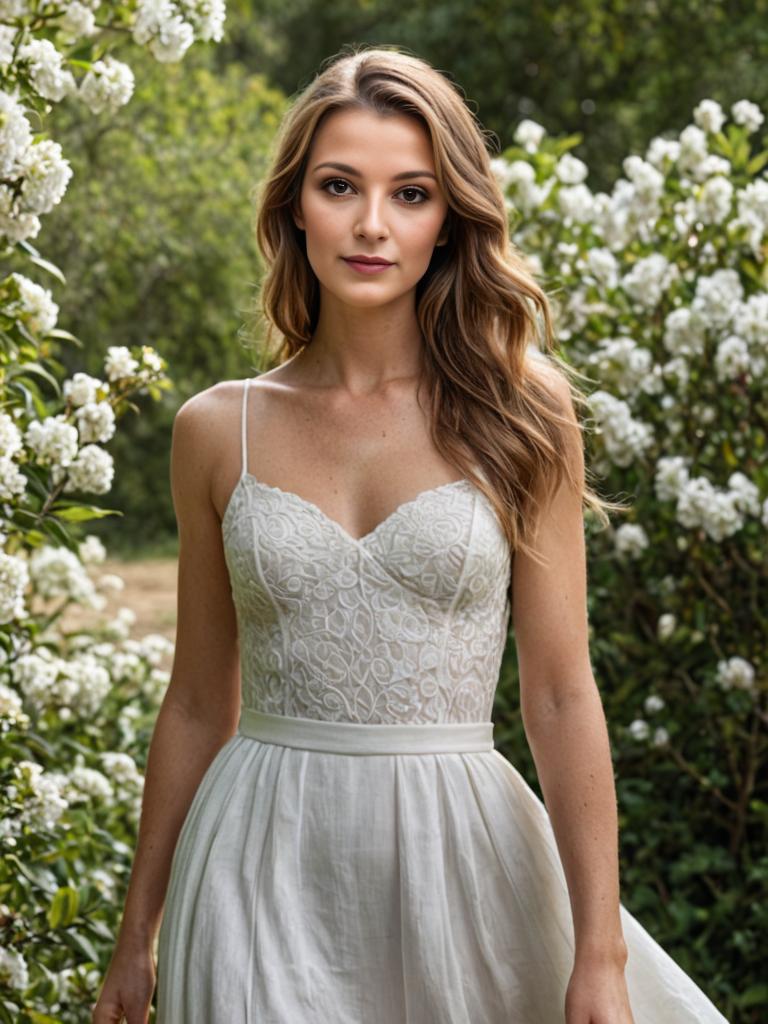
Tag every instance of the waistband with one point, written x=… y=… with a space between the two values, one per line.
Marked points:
x=364 y=737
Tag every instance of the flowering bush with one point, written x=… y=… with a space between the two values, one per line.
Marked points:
x=77 y=705
x=660 y=292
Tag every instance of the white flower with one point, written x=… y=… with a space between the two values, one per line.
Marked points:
x=76 y=22
x=108 y=85
x=58 y=572
x=718 y=296
x=44 y=797
x=13 y=969
x=713 y=205
x=53 y=440
x=35 y=305
x=45 y=176
x=750 y=321
x=575 y=202
x=745 y=492
x=529 y=134
x=631 y=540
x=709 y=116
x=649 y=279
x=570 y=170
x=87 y=783
x=603 y=266
x=95 y=422
x=11 y=710
x=671 y=477
x=121 y=768
x=731 y=358
x=10 y=436
x=165 y=33
x=625 y=437
x=91 y=550
x=15 y=133
x=14 y=577
x=93 y=470
x=684 y=332
x=639 y=729
x=735 y=672
x=81 y=388
x=119 y=362
x=700 y=504
x=666 y=626
x=662 y=152
x=660 y=737
x=747 y=113
x=46 y=69
x=653 y=703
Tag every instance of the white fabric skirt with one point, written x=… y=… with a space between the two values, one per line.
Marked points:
x=379 y=874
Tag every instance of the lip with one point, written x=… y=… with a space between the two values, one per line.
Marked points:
x=367 y=265
x=359 y=257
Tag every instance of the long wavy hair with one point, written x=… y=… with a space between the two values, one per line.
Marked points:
x=478 y=305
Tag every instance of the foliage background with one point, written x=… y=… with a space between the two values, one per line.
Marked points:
x=155 y=239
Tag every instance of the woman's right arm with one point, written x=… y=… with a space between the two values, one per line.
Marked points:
x=199 y=711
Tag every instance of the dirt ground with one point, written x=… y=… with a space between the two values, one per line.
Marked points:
x=149 y=591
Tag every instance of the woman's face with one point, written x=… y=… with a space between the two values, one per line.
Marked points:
x=384 y=202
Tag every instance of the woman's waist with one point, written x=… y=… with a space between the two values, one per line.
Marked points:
x=345 y=737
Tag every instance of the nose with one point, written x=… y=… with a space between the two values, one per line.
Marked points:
x=371 y=220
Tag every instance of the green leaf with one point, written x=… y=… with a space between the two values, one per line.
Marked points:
x=63 y=907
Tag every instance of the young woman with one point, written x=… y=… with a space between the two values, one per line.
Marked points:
x=328 y=834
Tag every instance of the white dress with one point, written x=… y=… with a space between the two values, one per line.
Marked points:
x=358 y=852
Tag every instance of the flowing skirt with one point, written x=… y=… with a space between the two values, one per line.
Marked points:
x=379 y=874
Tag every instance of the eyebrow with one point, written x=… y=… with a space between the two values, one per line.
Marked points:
x=355 y=173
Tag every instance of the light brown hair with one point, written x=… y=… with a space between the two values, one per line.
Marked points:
x=478 y=305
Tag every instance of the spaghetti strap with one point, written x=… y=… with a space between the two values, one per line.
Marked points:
x=243 y=435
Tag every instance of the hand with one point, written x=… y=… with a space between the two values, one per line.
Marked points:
x=128 y=987
x=597 y=994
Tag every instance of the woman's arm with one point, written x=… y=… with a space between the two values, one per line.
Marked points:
x=200 y=709
x=562 y=711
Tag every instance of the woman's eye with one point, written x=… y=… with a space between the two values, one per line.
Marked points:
x=412 y=189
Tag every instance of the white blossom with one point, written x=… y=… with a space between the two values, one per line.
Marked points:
x=93 y=470
x=119 y=362
x=709 y=115
x=108 y=85
x=34 y=305
x=95 y=422
x=731 y=358
x=14 y=972
x=625 y=438
x=529 y=134
x=748 y=114
x=91 y=550
x=81 y=388
x=639 y=729
x=46 y=69
x=14 y=577
x=671 y=477
x=53 y=440
x=735 y=672
x=631 y=540
x=653 y=703
x=666 y=626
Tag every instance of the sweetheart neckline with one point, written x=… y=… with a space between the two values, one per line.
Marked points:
x=316 y=510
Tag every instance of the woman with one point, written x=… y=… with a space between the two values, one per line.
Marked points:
x=326 y=820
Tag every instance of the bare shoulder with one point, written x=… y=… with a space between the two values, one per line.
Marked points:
x=551 y=378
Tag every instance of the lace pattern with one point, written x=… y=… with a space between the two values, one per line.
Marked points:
x=406 y=624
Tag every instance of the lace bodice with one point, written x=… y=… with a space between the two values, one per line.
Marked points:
x=405 y=624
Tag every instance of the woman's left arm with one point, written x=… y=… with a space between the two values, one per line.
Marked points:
x=566 y=730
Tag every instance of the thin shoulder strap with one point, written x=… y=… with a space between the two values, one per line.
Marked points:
x=243 y=433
